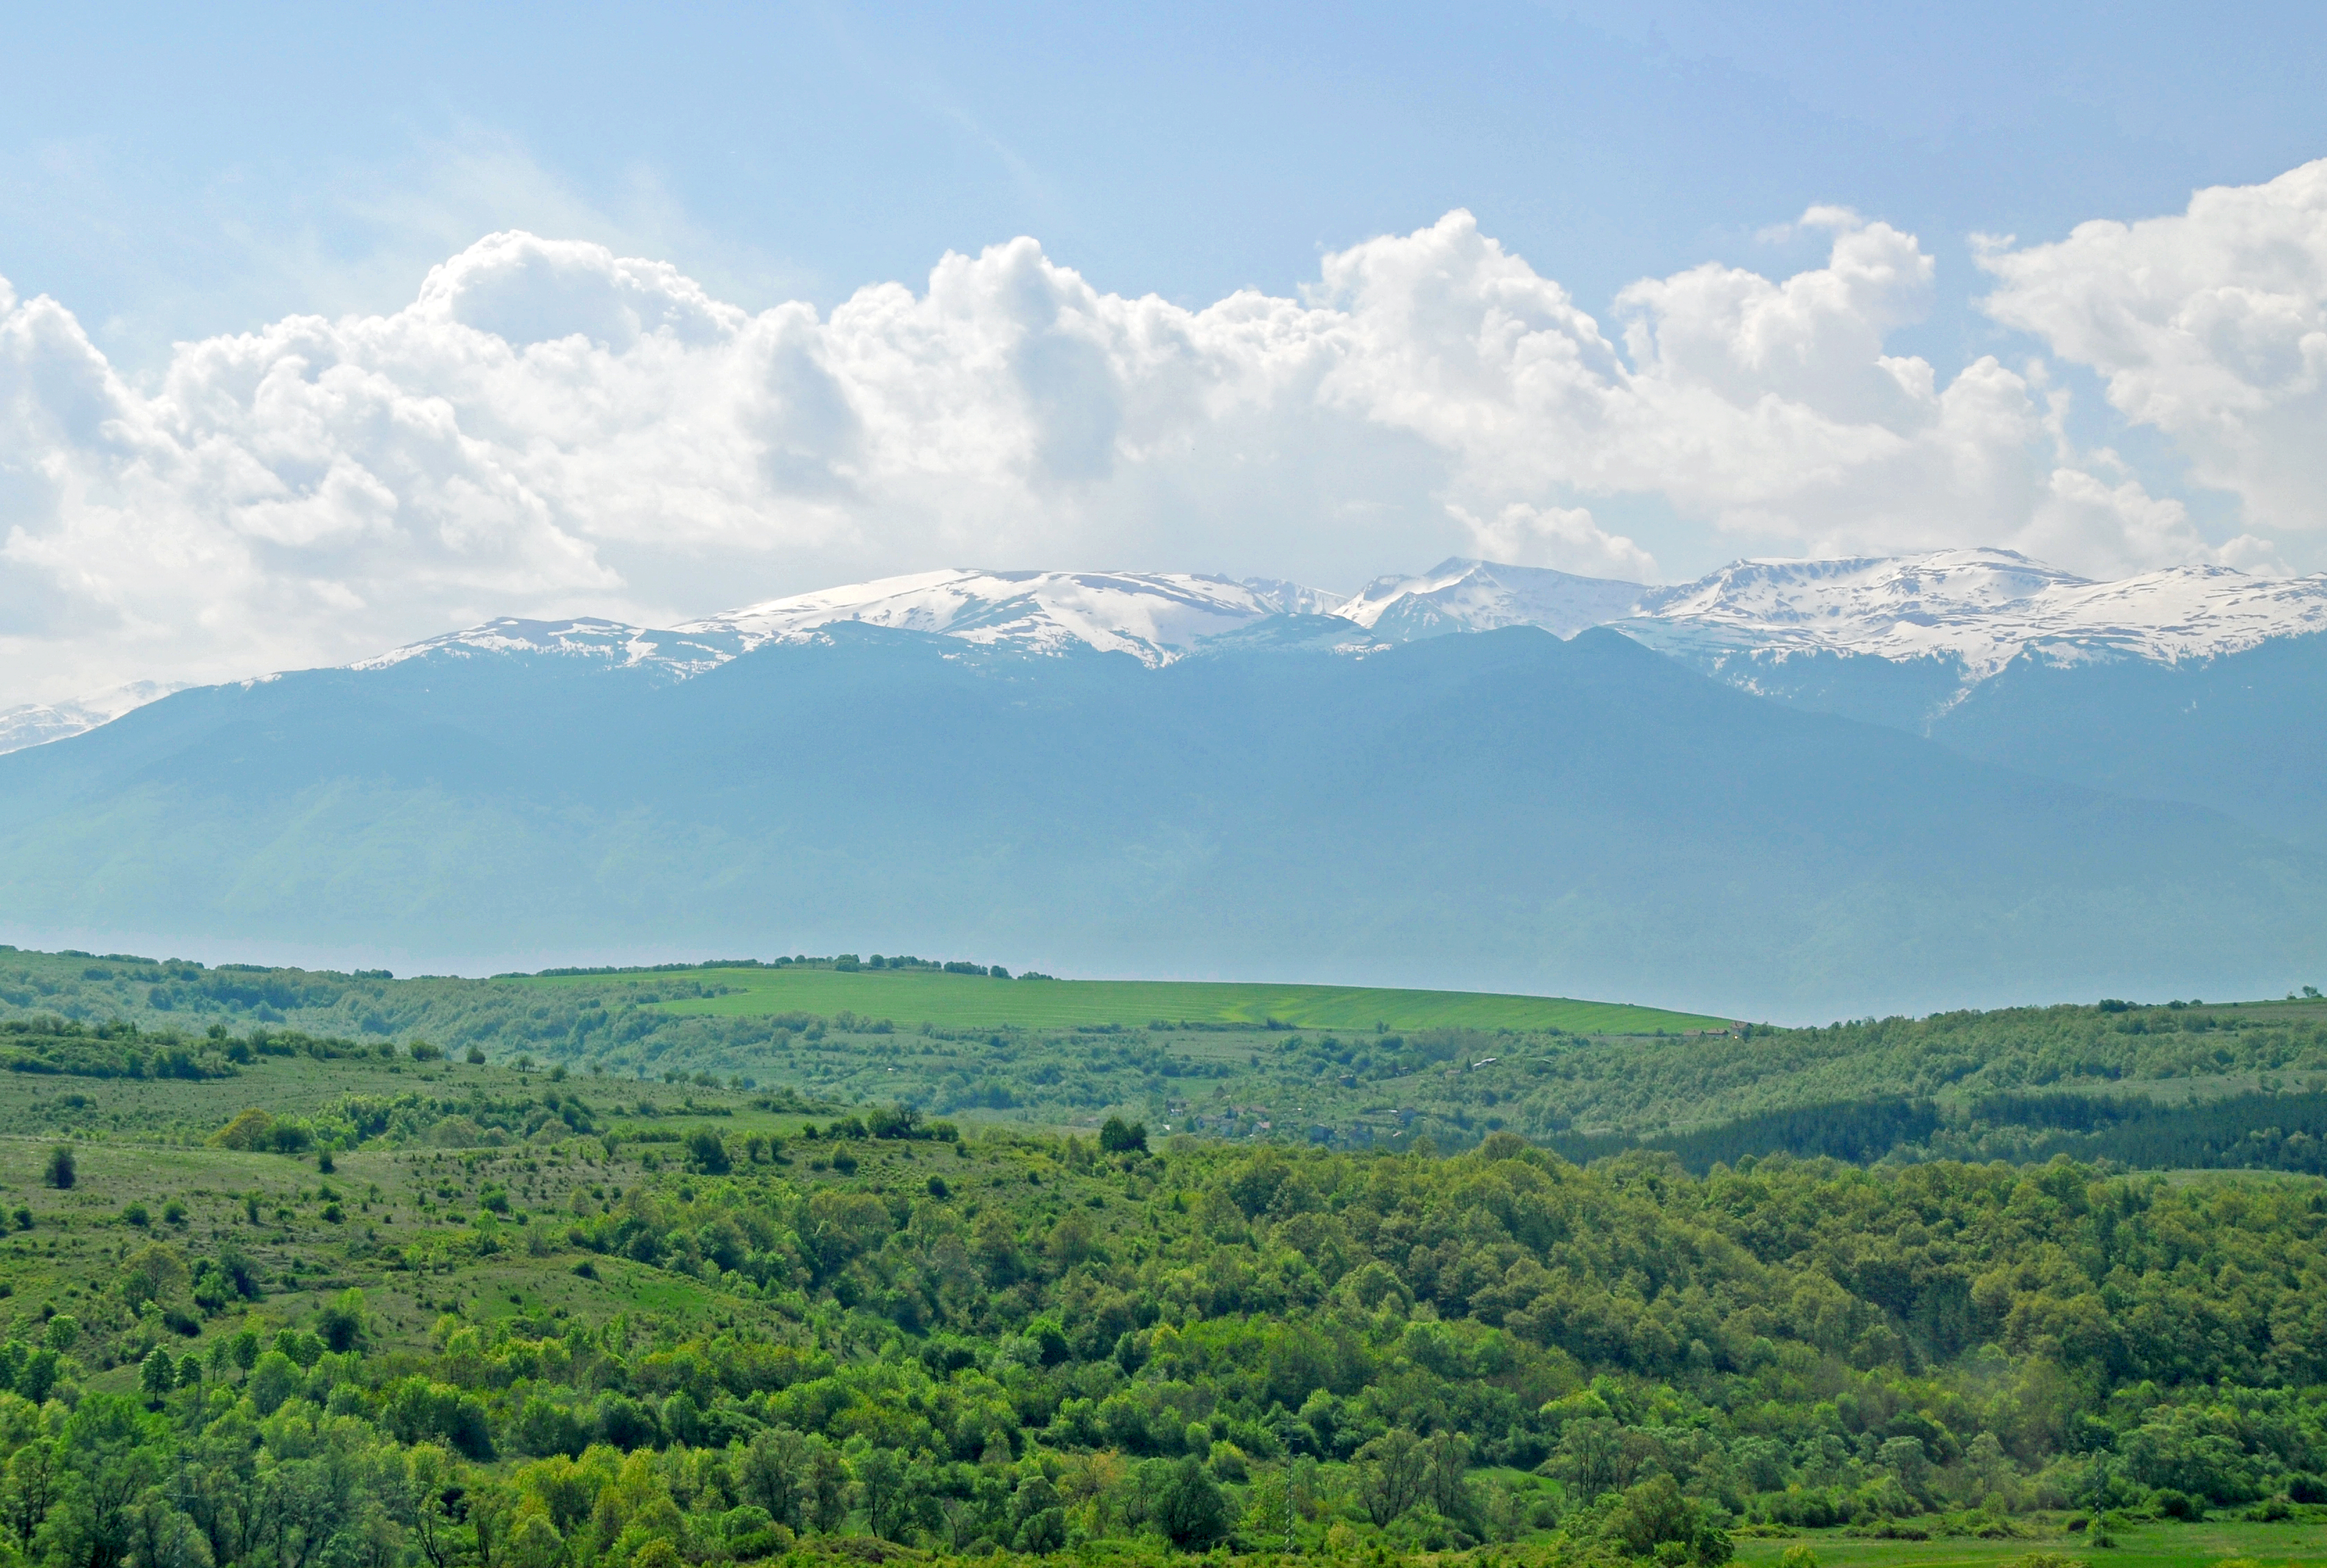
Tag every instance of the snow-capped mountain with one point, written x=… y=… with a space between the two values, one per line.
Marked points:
x=613 y=642
x=1466 y=595
x=1982 y=608
x=1154 y=617
x=37 y=723
x=1955 y=618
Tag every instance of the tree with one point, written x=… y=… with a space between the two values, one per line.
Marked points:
x=897 y=1120
x=886 y=1488
x=424 y=1499
x=825 y=1495
x=60 y=1172
x=707 y=1153
x=156 y=1376
x=533 y=1543
x=1591 y=1454
x=273 y=1380
x=341 y=1324
x=34 y=1477
x=39 y=1375
x=1655 y=1513
x=1450 y=1492
x=1391 y=1470
x=1117 y=1137
x=1190 y=1509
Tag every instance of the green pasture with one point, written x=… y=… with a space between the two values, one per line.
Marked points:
x=977 y=1002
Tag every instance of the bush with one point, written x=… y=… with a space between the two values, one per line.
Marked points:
x=707 y=1151
x=1190 y=1509
x=60 y=1171
x=626 y=1423
x=892 y=1122
x=1655 y=1515
x=1117 y=1137
x=256 y=1132
x=340 y=1325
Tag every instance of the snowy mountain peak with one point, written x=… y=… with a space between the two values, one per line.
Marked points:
x=1981 y=607
x=1462 y=594
x=1901 y=587
x=581 y=637
x=1154 y=617
x=37 y=723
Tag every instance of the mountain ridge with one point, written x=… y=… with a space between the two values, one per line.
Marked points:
x=1505 y=811
x=1961 y=616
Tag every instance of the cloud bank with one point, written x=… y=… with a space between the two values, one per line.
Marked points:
x=549 y=428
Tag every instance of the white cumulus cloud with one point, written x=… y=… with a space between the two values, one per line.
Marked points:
x=2210 y=326
x=549 y=428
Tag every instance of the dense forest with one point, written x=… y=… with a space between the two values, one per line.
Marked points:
x=397 y=1309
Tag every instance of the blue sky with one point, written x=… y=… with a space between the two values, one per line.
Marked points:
x=174 y=171
x=542 y=426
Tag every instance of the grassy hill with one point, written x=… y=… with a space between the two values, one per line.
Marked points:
x=2013 y=1083
x=929 y=995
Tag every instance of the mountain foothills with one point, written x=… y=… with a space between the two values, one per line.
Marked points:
x=1979 y=780
x=272 y=1297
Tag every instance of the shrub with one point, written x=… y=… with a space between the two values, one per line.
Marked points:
x=1117 y=1137
x=340 y=1325
x=255 y=1131
x=1190 y=1509
x=136 y=1214
x=60 y=1171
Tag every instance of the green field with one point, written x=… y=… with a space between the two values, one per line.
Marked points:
x=977 y=1001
